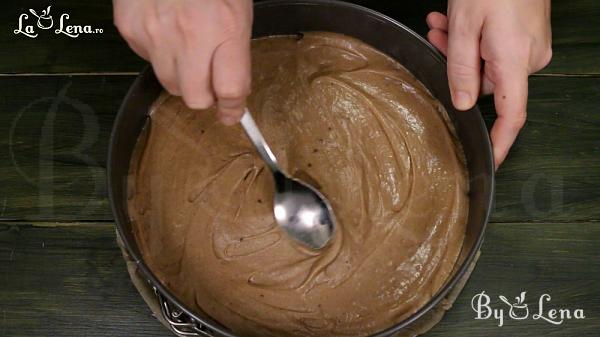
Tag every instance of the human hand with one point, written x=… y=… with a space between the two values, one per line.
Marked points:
x=513 y=38
x=199 y=49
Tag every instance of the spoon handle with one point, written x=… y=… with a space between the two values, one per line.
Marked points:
x=259 y=141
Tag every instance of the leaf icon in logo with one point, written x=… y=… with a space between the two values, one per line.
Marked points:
x=521 y=298
x=45 y=13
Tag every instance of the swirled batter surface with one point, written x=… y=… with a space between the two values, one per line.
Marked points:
x=343 y=116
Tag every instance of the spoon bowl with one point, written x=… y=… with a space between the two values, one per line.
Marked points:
x=302 y=211
x=299 y=208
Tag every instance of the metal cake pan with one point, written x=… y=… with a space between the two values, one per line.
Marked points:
x=279 y=17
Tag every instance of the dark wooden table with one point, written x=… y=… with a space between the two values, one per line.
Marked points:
x=61 y=273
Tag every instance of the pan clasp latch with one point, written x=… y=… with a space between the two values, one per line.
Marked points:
x=181 y=323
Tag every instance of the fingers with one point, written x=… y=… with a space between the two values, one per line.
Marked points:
x=438 y=31
x=162 y=49
x=194 y=73
x=487 y=86
x=147 y=39
x=510 y=98
x=199 y=50
x=437 y=20
x=439 y=39
x=231 y=78
x=464 y=70
x=165 y=66
x=139 y=49
x=132 y=30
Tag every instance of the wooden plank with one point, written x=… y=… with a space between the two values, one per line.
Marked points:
x=556 y=259
x=552 y=173
x=576 y=30
x=575 y=37
x=70 y=280
x=54 y=135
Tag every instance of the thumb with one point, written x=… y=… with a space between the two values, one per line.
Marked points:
x=231 y=78
x=464 y=64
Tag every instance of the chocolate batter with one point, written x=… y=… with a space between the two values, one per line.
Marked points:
x=360 y=127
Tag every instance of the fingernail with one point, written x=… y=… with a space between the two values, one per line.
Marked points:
x=228 y=120
x=462 y=100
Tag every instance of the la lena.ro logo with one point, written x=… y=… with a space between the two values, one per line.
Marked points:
x=28 y=26
x=519 y=310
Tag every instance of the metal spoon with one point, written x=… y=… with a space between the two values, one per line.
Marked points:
x=302 y=211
